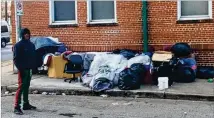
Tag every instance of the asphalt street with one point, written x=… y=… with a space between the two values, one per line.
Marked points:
x=6 y=53
x=53 y=106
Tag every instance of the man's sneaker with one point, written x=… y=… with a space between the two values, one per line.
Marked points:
x=18 y=111
x=28 y=107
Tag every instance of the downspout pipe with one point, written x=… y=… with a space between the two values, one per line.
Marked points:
x=145 y=25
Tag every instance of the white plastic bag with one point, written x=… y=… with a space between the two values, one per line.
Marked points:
x=45 y=60
x=143 y=59
x=86 y=79
x=96 y=63
x=104 y=72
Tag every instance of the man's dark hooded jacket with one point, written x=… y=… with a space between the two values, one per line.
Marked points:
x=24 y=53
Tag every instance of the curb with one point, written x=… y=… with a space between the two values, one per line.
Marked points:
x=197 y=97
x=119 y=93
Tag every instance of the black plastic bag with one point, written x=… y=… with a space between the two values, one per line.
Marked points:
x=184 y=70
x=183 y=74
x=205 y=72
x=127 y=53
x=177 y=70
x=131 y=78
x=181 y=50
x=116 y=51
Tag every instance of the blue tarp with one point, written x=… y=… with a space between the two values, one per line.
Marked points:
x=41 y=42
x=45 y=45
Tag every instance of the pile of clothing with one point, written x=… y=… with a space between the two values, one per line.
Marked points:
x=107 y=70
x=128 y=69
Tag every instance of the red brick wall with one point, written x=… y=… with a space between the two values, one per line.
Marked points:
x=205 y=58
x=164 y=30
x=127 y=34
x=162 y=24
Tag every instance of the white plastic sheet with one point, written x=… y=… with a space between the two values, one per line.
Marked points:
x=143 y=59
x=116 y=63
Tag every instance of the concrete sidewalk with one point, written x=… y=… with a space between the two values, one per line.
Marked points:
x=7 y=76
x=199 y=90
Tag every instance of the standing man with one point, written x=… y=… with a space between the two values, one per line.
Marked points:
x=24 y=59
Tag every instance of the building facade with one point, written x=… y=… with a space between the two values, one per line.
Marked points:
x=108 y=25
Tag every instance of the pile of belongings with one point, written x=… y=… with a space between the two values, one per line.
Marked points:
x=45 y=48
x=184 y=62
x=179 y=65
x=123 y=68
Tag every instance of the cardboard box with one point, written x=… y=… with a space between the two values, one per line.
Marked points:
x=162 y=56
x=56 y=68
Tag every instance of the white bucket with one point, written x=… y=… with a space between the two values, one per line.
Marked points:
x=163 y=83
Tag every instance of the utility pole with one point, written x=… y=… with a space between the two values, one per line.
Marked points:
x=18 y=13
x=6 y=17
